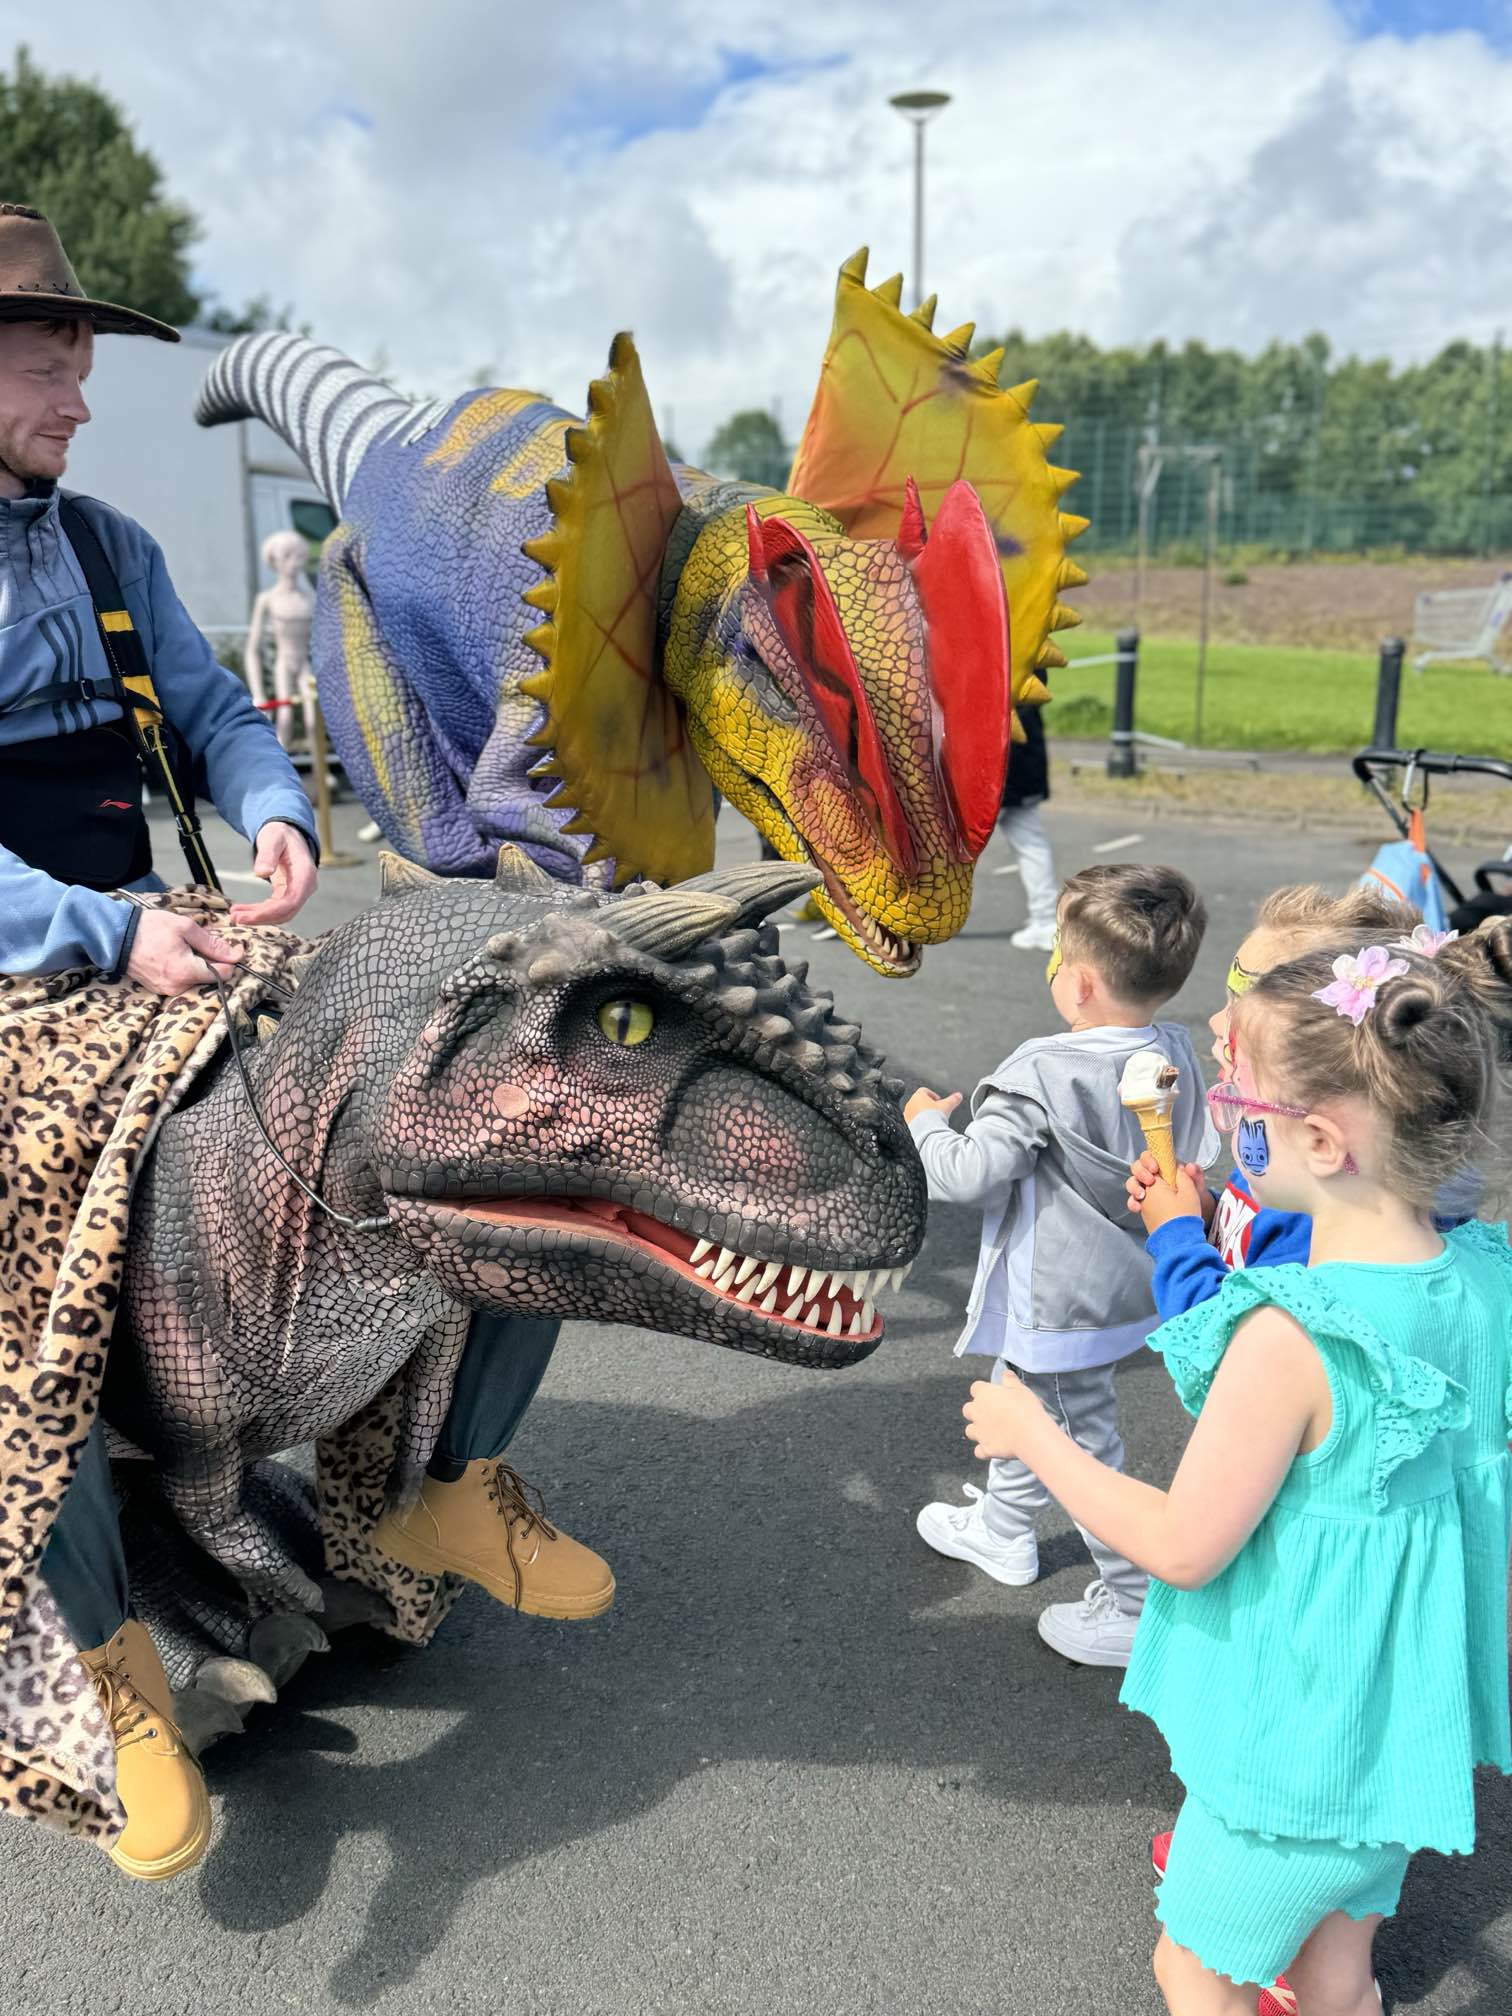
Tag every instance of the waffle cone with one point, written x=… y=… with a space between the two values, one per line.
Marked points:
x=1156 y=1128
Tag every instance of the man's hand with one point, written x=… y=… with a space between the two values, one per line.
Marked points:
x=925 y=1101
x=1157 y=1203
x=283 y=858
x=999 y=1417
x=169 y=954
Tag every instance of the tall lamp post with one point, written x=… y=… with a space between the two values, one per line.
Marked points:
x=918 y=108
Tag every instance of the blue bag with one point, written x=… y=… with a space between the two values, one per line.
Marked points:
x=1403 y=871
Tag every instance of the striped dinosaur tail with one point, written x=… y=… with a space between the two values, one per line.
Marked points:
x=328 y=409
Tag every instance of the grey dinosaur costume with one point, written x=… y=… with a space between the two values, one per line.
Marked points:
x=532 y=1101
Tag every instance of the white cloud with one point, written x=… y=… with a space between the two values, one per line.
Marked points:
x=458 y=184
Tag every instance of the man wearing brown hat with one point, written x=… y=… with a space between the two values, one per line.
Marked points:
x=105 y=681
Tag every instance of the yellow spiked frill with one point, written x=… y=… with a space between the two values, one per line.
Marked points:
x=896 y=400
x=614 y=730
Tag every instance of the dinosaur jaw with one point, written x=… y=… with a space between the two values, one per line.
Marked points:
x=894 y=957
x=815 y=1316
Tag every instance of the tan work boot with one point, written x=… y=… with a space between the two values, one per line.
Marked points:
x=485 y=1527
x=167 y=1807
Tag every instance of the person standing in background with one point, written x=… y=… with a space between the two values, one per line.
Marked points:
x=1022 y=823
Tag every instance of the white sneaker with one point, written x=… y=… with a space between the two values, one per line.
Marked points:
x=961 y=1532
x=1034 y=938
x=1094 y=1632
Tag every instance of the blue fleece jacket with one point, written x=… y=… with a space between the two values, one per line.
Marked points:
x=48 y=633
x=1189 y=1271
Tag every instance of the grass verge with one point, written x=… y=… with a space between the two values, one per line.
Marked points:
x=1258 y=696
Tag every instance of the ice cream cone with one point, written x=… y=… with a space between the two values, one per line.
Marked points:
x=1154 y=1119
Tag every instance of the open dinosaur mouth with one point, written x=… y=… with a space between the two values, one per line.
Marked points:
x=897 y=955
x=834 y=1302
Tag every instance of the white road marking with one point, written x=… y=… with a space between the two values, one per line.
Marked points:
x=1123 y=840
x=1008 y=868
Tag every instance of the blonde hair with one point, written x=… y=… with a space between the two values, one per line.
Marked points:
x=1305 y=911
x=1426 y=1057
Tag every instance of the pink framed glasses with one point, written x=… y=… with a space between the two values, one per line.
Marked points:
x=1228 y=1105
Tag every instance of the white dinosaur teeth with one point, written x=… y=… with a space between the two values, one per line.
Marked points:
x=769 y=1274
x=769 y=1302
x=837 y=1281
x=836 y=1321
x=860 y=1281
x=703 y=1246
x=857 y=1327
x=796 y=1278
x=811 y=1316
x=747 y=1293
x=868 y=1317
x=705 y=1271
x=747 y=1267
x=793 y=1307
x=727 y=1258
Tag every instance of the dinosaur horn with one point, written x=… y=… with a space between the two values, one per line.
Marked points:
x=328 y=409
x=516 y=870
x=755 y=544
x=670 y=924
x=959 y=579
x=912 y=532
x=757 y=887
x=395 y=874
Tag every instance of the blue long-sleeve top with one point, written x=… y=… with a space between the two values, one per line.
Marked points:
x=1188 y=1270
x=48 y=634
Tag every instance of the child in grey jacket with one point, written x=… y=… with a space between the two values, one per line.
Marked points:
x=1063 y=1287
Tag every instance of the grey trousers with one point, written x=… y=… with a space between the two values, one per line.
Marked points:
x=84 y=1564
x=1086 y=1407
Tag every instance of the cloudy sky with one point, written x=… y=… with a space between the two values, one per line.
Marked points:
x=494 y=186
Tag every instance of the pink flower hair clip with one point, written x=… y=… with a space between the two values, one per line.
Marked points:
x=1352 y=991
x=1425 y=941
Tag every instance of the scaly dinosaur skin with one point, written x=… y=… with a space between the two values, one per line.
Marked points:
x=517 y=603
x=564 y=1105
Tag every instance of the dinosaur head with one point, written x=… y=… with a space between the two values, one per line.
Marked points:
x=851 y=698
x=630 y=1110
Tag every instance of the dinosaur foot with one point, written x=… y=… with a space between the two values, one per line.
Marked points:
x=349 y=1603
x=224 y=1690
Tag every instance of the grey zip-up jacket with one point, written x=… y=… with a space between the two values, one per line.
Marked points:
x=1063 y=1279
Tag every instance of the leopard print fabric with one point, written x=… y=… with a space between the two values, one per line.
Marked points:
x=89 y=1070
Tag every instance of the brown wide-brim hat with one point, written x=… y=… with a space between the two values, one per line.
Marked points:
x=37 y=283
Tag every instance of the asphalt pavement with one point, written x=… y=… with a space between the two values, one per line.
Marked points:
x=804 y=1767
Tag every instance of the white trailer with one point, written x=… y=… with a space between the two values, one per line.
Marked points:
x=208 y=495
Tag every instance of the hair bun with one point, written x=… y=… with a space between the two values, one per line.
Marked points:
x=1494 y=943
x=1401 y=1009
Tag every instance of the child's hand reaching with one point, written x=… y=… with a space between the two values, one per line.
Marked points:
x=1158 y=1204
x=925 y=1101
x=997 y=1417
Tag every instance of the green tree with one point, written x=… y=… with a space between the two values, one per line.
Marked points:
x=750 y=445
x=67 y=149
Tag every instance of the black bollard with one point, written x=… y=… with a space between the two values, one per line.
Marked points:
x=1388 y=693
x=1121 y=750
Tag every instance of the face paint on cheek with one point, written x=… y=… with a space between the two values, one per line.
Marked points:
x=1252 y=1147
x=1053 y=963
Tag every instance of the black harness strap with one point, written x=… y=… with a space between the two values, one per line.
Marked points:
x=131 y=675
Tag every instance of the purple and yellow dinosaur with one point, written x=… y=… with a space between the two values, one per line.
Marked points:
x=518 y=604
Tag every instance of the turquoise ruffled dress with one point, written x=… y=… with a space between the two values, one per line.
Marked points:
x=1340 y=1680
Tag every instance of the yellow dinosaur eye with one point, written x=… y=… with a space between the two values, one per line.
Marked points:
x=626 y=1022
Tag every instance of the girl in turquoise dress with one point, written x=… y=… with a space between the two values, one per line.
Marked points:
x=1325 y=1647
